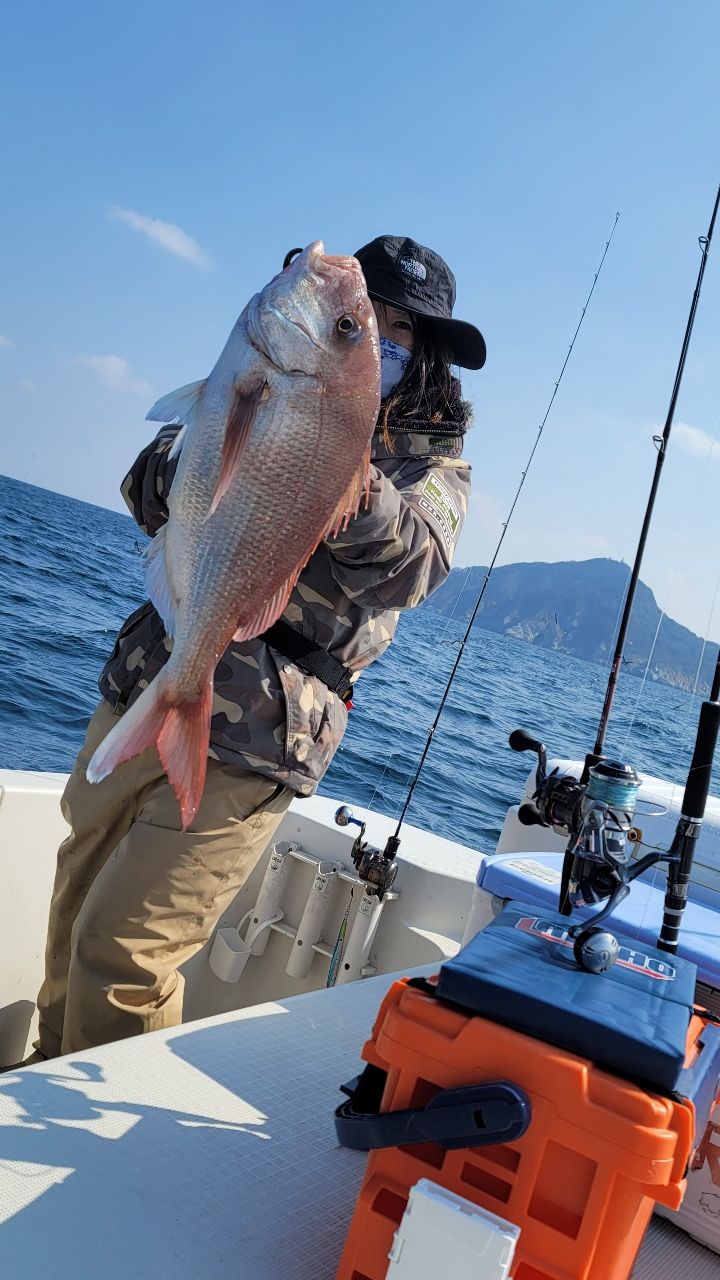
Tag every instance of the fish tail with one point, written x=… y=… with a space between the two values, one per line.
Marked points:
x=181 y=732
x=183 y=749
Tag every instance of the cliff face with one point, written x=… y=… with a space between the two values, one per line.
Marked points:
x=574 y=607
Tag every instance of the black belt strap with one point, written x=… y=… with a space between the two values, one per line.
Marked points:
x=311 y=659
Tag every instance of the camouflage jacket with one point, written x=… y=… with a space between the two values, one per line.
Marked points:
x=267 y=715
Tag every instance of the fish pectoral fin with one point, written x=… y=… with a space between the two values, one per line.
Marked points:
x=349 y=504
x=179 y=405
x=157 y=580
x=237 y=429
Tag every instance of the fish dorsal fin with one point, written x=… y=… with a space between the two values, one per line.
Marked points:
x=237 y=430
x=269 y=611
x=157 y=581
x=349 y=504
x=179 y=405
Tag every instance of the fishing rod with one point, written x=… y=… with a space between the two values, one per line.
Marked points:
x=597 y=814
x=597 y=810
x=692 y=813
x=379 y=869
x=662 y=444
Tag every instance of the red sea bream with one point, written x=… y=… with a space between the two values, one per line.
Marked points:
x=274 y=456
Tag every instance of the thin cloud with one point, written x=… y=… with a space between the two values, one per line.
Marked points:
x=5 y=343
x=114 y=372
x=166 y=234
x=695 y=441
x=26 y=386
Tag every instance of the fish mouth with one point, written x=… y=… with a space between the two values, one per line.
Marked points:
x=309 y=259
x=315 y=259
x=341 y=272
x=341 y=262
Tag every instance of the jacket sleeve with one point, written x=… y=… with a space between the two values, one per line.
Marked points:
x=398 y=550
x=147 y=483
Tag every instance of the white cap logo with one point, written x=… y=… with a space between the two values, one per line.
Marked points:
x=412 y=267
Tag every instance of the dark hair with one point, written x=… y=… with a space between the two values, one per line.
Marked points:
x=427 y=392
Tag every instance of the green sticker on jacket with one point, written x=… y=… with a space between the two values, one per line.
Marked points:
x=437 y=500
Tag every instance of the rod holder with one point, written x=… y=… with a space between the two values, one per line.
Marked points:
x=270 y=895
x=360 y=939
x=313 y=920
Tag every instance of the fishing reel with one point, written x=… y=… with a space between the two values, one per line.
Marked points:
x=597 y=816
x=377 y=869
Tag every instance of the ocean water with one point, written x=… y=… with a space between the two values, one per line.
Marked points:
x=70 y=574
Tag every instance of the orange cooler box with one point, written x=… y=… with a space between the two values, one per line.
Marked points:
x=581 y=1182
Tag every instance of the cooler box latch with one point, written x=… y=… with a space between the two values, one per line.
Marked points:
x=477 y=1115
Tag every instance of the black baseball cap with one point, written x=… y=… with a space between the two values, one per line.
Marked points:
x=405 y=274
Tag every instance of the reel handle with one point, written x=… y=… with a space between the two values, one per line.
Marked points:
x=530 y=815
x=519 y=740
x=344 y=817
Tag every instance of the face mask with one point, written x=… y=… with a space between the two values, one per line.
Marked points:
x=394 y=360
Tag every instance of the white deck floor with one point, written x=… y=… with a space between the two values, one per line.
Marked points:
x=206 y=1153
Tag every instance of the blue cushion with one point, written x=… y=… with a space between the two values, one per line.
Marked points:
x=535 y=878
x=632 y=1020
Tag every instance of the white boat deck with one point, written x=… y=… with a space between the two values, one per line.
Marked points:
x=207 y=1152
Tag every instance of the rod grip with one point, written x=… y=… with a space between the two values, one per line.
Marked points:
x=698 y=784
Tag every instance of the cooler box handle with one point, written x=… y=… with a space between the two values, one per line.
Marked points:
x=477 y=1115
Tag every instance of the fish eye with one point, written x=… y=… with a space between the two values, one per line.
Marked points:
x=347 y=326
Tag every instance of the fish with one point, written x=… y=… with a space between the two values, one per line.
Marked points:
x=274 y=455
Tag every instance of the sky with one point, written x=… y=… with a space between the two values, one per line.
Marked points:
x=158 y=159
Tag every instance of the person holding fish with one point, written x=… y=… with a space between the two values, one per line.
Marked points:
x=297 y=500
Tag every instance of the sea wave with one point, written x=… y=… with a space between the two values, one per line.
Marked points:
x=70 y=573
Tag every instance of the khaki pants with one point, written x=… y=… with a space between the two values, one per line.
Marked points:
x=135 y=897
